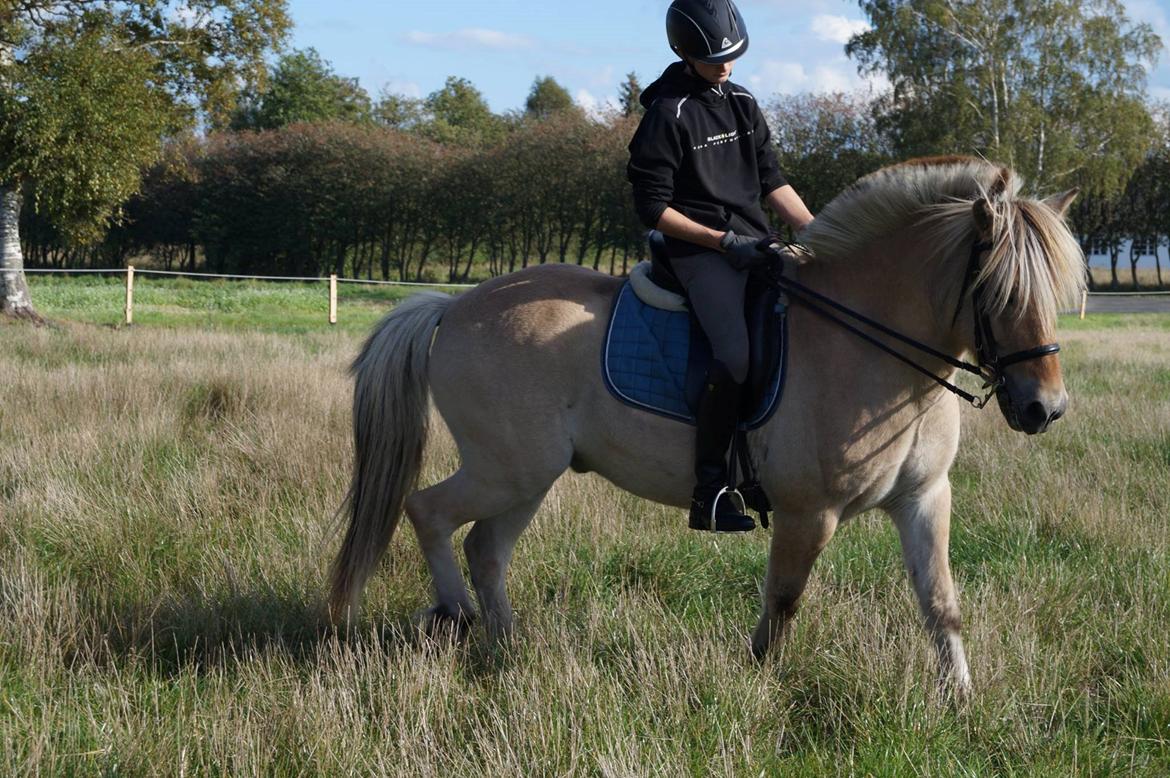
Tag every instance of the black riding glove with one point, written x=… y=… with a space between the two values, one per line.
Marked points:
x=743 y=253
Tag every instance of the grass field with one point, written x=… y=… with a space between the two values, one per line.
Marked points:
x=167 y=491
x=286 y=307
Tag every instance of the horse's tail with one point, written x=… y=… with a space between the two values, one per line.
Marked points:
x=390 y=425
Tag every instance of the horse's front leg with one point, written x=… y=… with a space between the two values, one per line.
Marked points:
x=797 y=541
x=924 y=526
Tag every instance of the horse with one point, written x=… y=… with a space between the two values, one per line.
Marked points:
x=945 y=251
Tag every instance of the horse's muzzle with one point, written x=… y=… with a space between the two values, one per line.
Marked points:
x=1030 y=411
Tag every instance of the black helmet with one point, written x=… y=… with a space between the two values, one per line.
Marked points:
x=710 y=31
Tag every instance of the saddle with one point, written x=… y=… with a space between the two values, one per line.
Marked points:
x=657 y=357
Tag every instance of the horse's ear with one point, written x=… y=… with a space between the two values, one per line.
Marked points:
x=984 y=218
x=1061 y=202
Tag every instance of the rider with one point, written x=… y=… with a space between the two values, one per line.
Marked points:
x=700 y=162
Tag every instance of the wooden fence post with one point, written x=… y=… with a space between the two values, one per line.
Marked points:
x=333 y=298
x=1084 y=301
x=129 y=294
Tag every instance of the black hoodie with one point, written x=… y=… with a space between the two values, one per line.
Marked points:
x=706 y=152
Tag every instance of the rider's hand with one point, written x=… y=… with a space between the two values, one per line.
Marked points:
x=742 y=252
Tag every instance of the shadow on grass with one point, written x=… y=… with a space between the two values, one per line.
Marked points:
x=202 y=634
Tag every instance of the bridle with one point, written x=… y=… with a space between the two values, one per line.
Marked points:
x=989 y=366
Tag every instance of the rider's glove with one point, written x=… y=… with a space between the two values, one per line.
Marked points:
x=743 y=253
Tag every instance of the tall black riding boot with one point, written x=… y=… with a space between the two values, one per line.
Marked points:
x=715 y=420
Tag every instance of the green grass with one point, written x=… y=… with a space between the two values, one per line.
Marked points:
x=267 y=306
x=1116 y=321
x=166 y=500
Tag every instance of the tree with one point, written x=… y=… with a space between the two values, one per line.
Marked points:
x=398 y=111
x=459 y=115
x=825 y=142
x=303 y=88
x=1054 y=88
x=89 y=87
x=547 y=98
x=629 y=96
x=1141 y=212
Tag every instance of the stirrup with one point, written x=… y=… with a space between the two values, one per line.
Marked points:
x=732 y=493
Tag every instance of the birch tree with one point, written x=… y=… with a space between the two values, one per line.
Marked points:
x=1055 y=88
x=88 y=89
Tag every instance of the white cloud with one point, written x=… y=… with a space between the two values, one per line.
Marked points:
x=594 y=107
x=837 y=29
x=775 y=76
x=603 y=77
x=828 y=79
x=407 y=88
x=780 y=77
x=469 y=37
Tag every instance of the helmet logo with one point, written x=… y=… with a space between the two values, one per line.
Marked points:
x=725 y=43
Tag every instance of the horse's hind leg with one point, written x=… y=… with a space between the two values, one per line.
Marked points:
x=924 y=525
x=489 y=548
x=435 y=513
x=797 y=541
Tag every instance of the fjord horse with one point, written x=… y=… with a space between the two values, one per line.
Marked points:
x=513 y=368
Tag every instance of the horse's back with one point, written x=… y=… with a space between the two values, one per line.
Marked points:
x=536 y=305
x=515 y=353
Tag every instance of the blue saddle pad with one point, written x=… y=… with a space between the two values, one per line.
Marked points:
x=645 y=360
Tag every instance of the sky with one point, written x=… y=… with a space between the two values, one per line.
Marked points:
x=588 y=46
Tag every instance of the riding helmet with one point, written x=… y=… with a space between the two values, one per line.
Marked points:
x=710 y=31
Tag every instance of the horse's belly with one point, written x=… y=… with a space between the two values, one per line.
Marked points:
x=516 y=374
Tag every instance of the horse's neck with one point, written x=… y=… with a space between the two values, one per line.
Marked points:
x=897 y=286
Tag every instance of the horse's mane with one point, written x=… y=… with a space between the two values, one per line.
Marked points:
x=1036 y=264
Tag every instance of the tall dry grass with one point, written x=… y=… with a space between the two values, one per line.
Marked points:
x=167 y=501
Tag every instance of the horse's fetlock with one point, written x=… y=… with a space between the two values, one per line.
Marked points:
x=945 y=621
x=785 y=607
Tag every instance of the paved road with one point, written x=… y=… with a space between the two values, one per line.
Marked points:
x=1104 y=303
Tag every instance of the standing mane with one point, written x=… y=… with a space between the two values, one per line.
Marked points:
x=1036 y=262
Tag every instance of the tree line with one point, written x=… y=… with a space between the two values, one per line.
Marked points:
x=374 y=201
x=201 y=156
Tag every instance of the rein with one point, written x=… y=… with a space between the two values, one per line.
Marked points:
x=990 y=365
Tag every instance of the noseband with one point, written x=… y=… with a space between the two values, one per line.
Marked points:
x=990 y=364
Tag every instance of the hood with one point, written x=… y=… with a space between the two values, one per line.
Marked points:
x=675 y=81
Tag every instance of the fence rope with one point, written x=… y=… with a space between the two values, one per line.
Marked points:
x=192 y=274
x=400 y=283
x=373 y=282
x=67 y=270
x=1151 y=293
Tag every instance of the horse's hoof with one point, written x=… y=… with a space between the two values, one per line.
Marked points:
x=442 y=623
x=760 y=648
x=957 y=691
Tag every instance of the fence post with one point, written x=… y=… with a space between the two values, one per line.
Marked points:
x=333 y=298
x=1084 y=301
x=129 y=294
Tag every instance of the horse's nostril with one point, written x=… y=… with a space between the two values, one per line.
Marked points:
x=1056 y=414
x=1035 y=415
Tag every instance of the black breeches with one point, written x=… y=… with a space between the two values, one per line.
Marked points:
x=716 y=291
